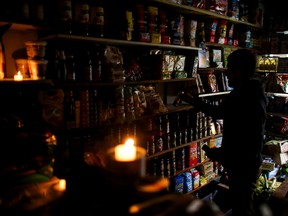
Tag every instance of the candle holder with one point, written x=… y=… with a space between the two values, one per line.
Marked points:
x=125 y=174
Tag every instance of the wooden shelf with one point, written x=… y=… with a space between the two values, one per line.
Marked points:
x=271 y=94
x=202 y=186
x=189 y=168
x=115 y=42
x=278 y=114
x=109 y=84
x=211 y=68
x=23 y=26
x=79 y=132
x=10 y=84
x=213 y=94
x=197 y=11
x=285 y=136
x=181 y=146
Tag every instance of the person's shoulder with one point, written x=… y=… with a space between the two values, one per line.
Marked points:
x=254 y=86
x=255 y=83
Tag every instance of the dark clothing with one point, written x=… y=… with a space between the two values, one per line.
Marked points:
x=244 y=115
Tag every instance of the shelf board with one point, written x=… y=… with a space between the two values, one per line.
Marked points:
x=197 y=11
x=183 y=146
x=22 y=26
x=271 y=94
x=25 y=82
x=279 y=55
x=266 y=71
x=109 y=84
x=11 y=81
x=285 y=115
x=211 y=68
x=115 y=42
x=222 y=45
x=271 y=134
x=213 y=94
x=79 y=132
x=202 y=186
x=189 y=168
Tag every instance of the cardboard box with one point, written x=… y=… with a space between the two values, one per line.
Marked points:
x=213 y=142
x=268 y=165
x=280 y=158
x=276 y=146
x=201 y=154
x=206 y=168
x=193 y=157
x=219 y=142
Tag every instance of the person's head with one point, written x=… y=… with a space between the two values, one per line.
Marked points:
x=241 y=66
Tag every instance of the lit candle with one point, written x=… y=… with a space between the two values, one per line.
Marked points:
x=61 y=186
x=125 y=152
x=18 y=76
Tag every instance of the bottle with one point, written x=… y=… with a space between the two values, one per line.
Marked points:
x=3 y=71
x=70 y=68
x=130 y=25
x=24 y=10
x=70 y=110
x=85 y=67
x=81 y=17
x=159 y=136
x=96 y=27
x=64 y=16
x=2 y=60
x=37 y=10
x=93 y=99
x=167 y=167
x=129 y=104
x=97 y=66
x=62 y=71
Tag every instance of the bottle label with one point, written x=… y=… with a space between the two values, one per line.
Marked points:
x=97 y=16
x=87 y=72
x=65 y=10
x=82 y=13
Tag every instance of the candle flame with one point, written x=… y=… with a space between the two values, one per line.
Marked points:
x=18 y=76
x=129 y=142
x=126 y=151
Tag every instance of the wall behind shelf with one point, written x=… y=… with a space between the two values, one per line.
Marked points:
x=14 y=40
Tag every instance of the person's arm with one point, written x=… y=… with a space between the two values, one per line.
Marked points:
x=214 y=154
x=207 y=105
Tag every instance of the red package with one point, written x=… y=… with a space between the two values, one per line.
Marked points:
x=193 y=154
x=218 y=6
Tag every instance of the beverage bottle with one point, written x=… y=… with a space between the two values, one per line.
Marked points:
x=62 y=71
x=70 y=110
x=96 y=27
x=97 y=66
x=3 y=71
x=37 y=10
x=85 y=67
x=81 y=17
x=70 y=68
x=64 y=16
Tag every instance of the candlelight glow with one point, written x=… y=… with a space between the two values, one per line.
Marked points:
x=1 y=75
x=125 y=152
x=18 y=76
x=61 y=186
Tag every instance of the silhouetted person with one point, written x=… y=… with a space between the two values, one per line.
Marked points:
x=244 y=116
